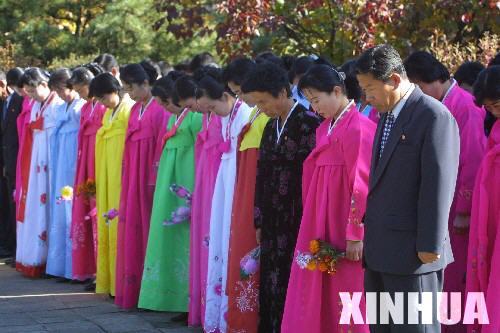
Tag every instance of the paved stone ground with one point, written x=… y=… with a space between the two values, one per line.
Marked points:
x=43 y=305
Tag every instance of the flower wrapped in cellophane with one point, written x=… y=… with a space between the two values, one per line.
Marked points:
x=322 y=256
x=249 y=264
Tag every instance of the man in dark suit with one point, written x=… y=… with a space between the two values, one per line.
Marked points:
x=412 y=182
x=10 y=106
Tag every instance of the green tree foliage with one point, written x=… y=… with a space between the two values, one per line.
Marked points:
x=48 y=32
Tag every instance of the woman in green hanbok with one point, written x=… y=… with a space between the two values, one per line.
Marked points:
x=166 y=270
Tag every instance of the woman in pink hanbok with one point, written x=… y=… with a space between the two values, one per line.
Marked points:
x=207 y=161
x=84 y=214
x=334 y=190
x=22 y=128
x=483 y=262
x=434 y=80
x=146 y=127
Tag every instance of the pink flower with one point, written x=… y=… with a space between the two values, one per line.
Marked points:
x=250 y=266
x=43 y=236
x=218 y=289
x=43 y=198
x=111 y=214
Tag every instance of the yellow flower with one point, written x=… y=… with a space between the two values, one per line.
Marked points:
x=67 y=193
x=322 y=267
x=314 y=246
x=311 y=265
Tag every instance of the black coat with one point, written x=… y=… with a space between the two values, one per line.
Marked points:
x=9 y=136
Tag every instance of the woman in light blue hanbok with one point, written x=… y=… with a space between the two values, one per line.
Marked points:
x=63 y=152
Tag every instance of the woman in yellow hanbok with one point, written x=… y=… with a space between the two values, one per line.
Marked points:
x=110 y=141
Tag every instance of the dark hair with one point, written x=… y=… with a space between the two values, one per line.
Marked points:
x=14 y=76
x=139 y=73
x=103 y=84
x=200 y=60
x=209 y=82
x=185 y=87
x=495 y=61
x=107 y=61
x=85 y=74
x=237 y=70
x=95 y=68
x=60 y=78
x=269 y=57
x=300 y=67
x=487 y=85
x=323 y=61
x=33 y=77
x=267 y=77
x=164 y=87
x=351 y=83
x=468 y=72
x=424 y=67
x=164 y=67
x=381 y=61
x=288 y=61
x=321 y=78
x=182 y=66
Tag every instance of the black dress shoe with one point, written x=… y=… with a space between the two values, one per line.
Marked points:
x=89 y=287
x=62 y=280
x=180 y=318
x=5 y=253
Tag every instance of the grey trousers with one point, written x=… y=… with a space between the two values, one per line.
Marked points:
x=390 y=283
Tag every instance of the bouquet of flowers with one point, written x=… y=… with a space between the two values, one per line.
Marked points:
x=87 y=189
x=322 y=257
x=249 y=264
x=110 y=215
x=66 y=195
x=181 y=213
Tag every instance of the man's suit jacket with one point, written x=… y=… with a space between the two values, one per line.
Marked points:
x=8 y=133
x=411 y=189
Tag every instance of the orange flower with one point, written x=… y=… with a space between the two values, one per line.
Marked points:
x=311 y=265
x=322 y=267
x=314 y=246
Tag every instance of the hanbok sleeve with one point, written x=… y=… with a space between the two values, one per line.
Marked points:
x=262 y=178
x=196 y=123
x=473 y=146
x=357 y=153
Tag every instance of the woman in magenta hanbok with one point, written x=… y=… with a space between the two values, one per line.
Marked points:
x=146 y=127
x=434 y=80
x=334 y=189
x=84 y=215
x=483 y=262
x=207 y=161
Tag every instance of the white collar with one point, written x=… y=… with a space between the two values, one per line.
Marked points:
x=453 y=83
x=341 y=115
x=399 y=106
x=280 y=131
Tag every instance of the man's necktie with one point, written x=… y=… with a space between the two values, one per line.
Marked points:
x=389 y=123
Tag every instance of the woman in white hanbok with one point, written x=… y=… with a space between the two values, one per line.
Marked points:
x=31 y=254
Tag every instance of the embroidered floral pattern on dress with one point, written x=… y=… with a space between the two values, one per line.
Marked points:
x=248 y=296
